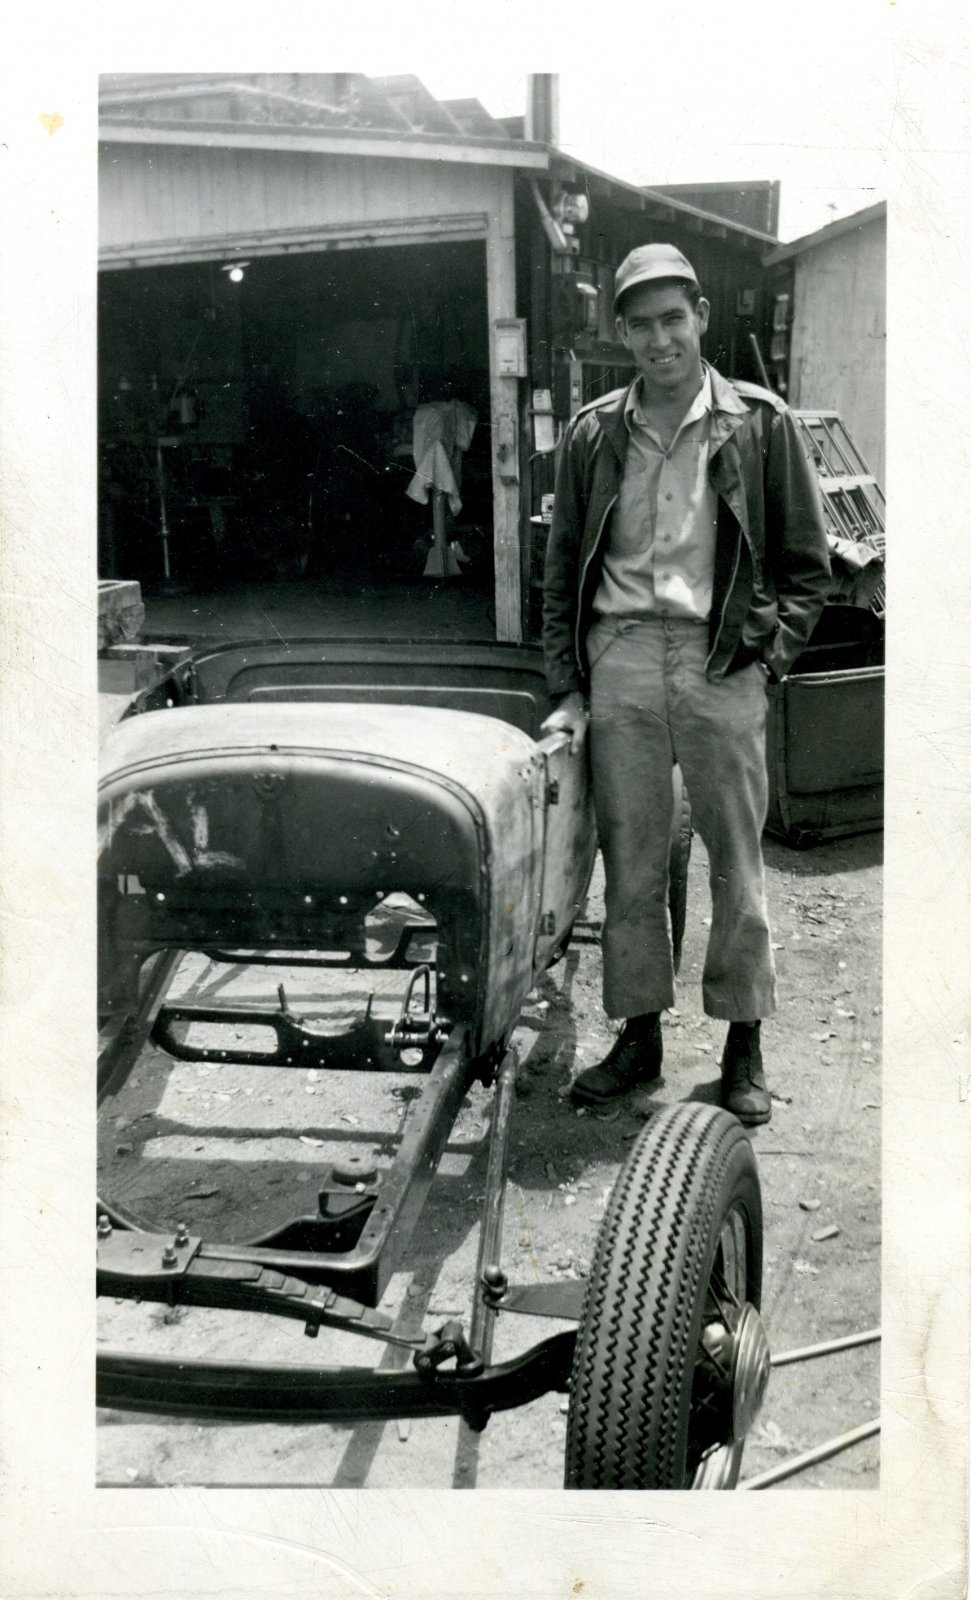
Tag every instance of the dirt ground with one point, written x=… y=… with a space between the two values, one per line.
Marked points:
x=229 y=1149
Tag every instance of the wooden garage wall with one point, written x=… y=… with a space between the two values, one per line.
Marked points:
x=839 y=331
x=172 y=195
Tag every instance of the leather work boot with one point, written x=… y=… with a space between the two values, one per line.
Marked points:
x=634 y=1058
x=743 y=1089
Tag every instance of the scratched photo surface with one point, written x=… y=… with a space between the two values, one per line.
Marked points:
x=309 y=443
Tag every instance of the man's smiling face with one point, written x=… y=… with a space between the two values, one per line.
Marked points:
x=662 y=331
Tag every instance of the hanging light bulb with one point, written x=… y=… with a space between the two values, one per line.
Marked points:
x=235 y=270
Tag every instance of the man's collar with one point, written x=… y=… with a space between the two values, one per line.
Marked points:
x=728 y=408
x=702 y=402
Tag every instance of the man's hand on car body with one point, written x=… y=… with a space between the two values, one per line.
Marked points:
x=570 y=716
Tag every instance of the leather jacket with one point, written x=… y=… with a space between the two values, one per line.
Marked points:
x=772 y=571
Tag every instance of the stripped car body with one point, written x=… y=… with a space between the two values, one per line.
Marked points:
x=257 y=807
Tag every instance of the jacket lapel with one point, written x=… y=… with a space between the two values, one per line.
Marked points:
x=613 y=426
x=724 y=462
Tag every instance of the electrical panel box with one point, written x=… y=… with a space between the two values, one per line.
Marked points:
x=509 y=336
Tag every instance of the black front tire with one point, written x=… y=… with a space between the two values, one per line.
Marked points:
x=678 y=1254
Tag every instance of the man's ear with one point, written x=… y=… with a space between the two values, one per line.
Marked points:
x=620 y=327
x=703 y=312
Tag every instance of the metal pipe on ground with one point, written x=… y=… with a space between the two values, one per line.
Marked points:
x=811 y=1352
x=810 y=1458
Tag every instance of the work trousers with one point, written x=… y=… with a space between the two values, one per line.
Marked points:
x=651 y=705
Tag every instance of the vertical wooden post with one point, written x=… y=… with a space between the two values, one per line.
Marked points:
x=504 y=401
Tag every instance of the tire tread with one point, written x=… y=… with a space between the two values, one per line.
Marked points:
x=628 y=1419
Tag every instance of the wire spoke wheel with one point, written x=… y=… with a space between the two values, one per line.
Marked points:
x=671 y=1359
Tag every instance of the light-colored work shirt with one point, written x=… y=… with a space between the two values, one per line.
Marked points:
x=660 y=553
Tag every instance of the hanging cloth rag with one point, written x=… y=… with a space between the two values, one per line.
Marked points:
x=440 y=432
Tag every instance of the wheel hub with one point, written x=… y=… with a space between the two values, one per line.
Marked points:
x=738 y=1353
x=749 y=1371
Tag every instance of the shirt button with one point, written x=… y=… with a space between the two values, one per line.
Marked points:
x=669 y=497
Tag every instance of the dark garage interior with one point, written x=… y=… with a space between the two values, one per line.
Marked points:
x=263 y=423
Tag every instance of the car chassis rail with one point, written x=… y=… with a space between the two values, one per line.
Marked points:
x=266 y=1277
x=244 y=1392
x=182 y=1269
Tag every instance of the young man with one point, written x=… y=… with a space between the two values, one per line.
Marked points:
x=687 y=566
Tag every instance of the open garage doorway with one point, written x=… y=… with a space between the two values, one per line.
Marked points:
x=256 y=426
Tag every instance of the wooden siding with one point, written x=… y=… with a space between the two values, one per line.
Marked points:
x=166 y=196
x=839 y=330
